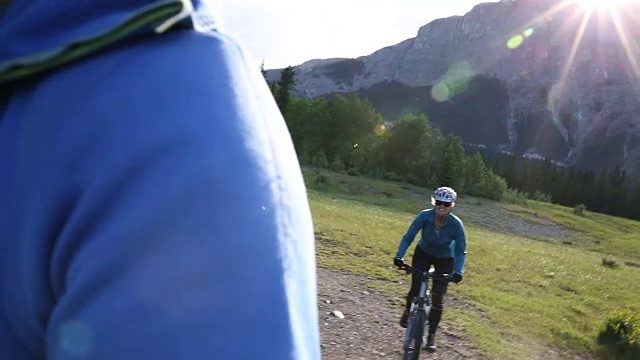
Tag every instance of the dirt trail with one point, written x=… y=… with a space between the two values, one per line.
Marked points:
x=369 y=329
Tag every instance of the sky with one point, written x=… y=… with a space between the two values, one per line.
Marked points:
x=290 y=32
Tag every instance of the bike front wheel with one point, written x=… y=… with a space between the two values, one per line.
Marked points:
x=413 y=336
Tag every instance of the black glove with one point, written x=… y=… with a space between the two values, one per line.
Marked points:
x=398 y=262
x=456 y=278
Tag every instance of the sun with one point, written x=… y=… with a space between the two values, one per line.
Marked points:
x=615 y=10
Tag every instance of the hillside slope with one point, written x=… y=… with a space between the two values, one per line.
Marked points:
x=534 y=285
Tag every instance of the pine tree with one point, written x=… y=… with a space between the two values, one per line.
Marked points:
x=286 y=83
x=476 y=174
x=451 y=164
x=262 y=70
x=633 y=202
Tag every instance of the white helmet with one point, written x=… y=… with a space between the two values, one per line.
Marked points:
x=445 y=194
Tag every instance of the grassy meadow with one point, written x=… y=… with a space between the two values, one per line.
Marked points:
x=534 y=277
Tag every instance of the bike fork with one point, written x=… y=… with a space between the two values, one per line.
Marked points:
x=409 y=321
x=424 y=293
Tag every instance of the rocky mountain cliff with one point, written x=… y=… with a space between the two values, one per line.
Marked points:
x=534 y=77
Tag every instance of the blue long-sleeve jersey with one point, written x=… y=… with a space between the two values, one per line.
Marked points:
x=449 y=242
x=151 y=202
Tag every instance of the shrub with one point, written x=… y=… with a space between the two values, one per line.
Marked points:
x=336 y=165
x=305 y=158
x=391 y=176
x=494 y=187
x=620 y=334
x=540 y=196
x=376 y=173
x=632 y=264
x=514 y=196
x=415 y=180
x=353 y=172
x=320 y=160
x=322 y=179
x=579 y=209
x=609 y=263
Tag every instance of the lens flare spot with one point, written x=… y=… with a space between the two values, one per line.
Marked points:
x=454 y=82
x=515 y=41
x=441 y=92
x=554 y=97
x=75 y=338
x=528 y=32
x=380 y=129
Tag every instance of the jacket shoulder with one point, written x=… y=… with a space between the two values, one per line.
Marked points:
x=457 y=220
x=427 y=212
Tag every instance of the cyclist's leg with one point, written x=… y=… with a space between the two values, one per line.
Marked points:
x=420 y=261
x=438 y=290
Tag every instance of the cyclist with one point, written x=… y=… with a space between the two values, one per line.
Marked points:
x=443 y=245
x=151 y=202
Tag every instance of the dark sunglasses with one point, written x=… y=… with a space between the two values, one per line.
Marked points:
x=445 y=204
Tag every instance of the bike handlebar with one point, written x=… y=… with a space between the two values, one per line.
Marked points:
x=425 y=274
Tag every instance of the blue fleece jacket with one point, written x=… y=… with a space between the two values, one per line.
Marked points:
x=449 y=242
x=152 y=206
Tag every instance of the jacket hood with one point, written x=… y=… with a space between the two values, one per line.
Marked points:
x=37 y=35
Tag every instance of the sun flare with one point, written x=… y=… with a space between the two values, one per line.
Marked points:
x=604 y=4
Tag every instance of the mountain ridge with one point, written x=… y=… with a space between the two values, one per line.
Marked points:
x=574 y=105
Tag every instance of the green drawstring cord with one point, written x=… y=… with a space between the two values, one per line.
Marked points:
x=81 y=49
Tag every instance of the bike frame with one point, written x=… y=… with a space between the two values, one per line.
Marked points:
x=420 y=303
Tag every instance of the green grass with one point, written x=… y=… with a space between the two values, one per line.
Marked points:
x=520 y=294
x=597 y=232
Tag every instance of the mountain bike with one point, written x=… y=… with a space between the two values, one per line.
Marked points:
x=419 y=312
